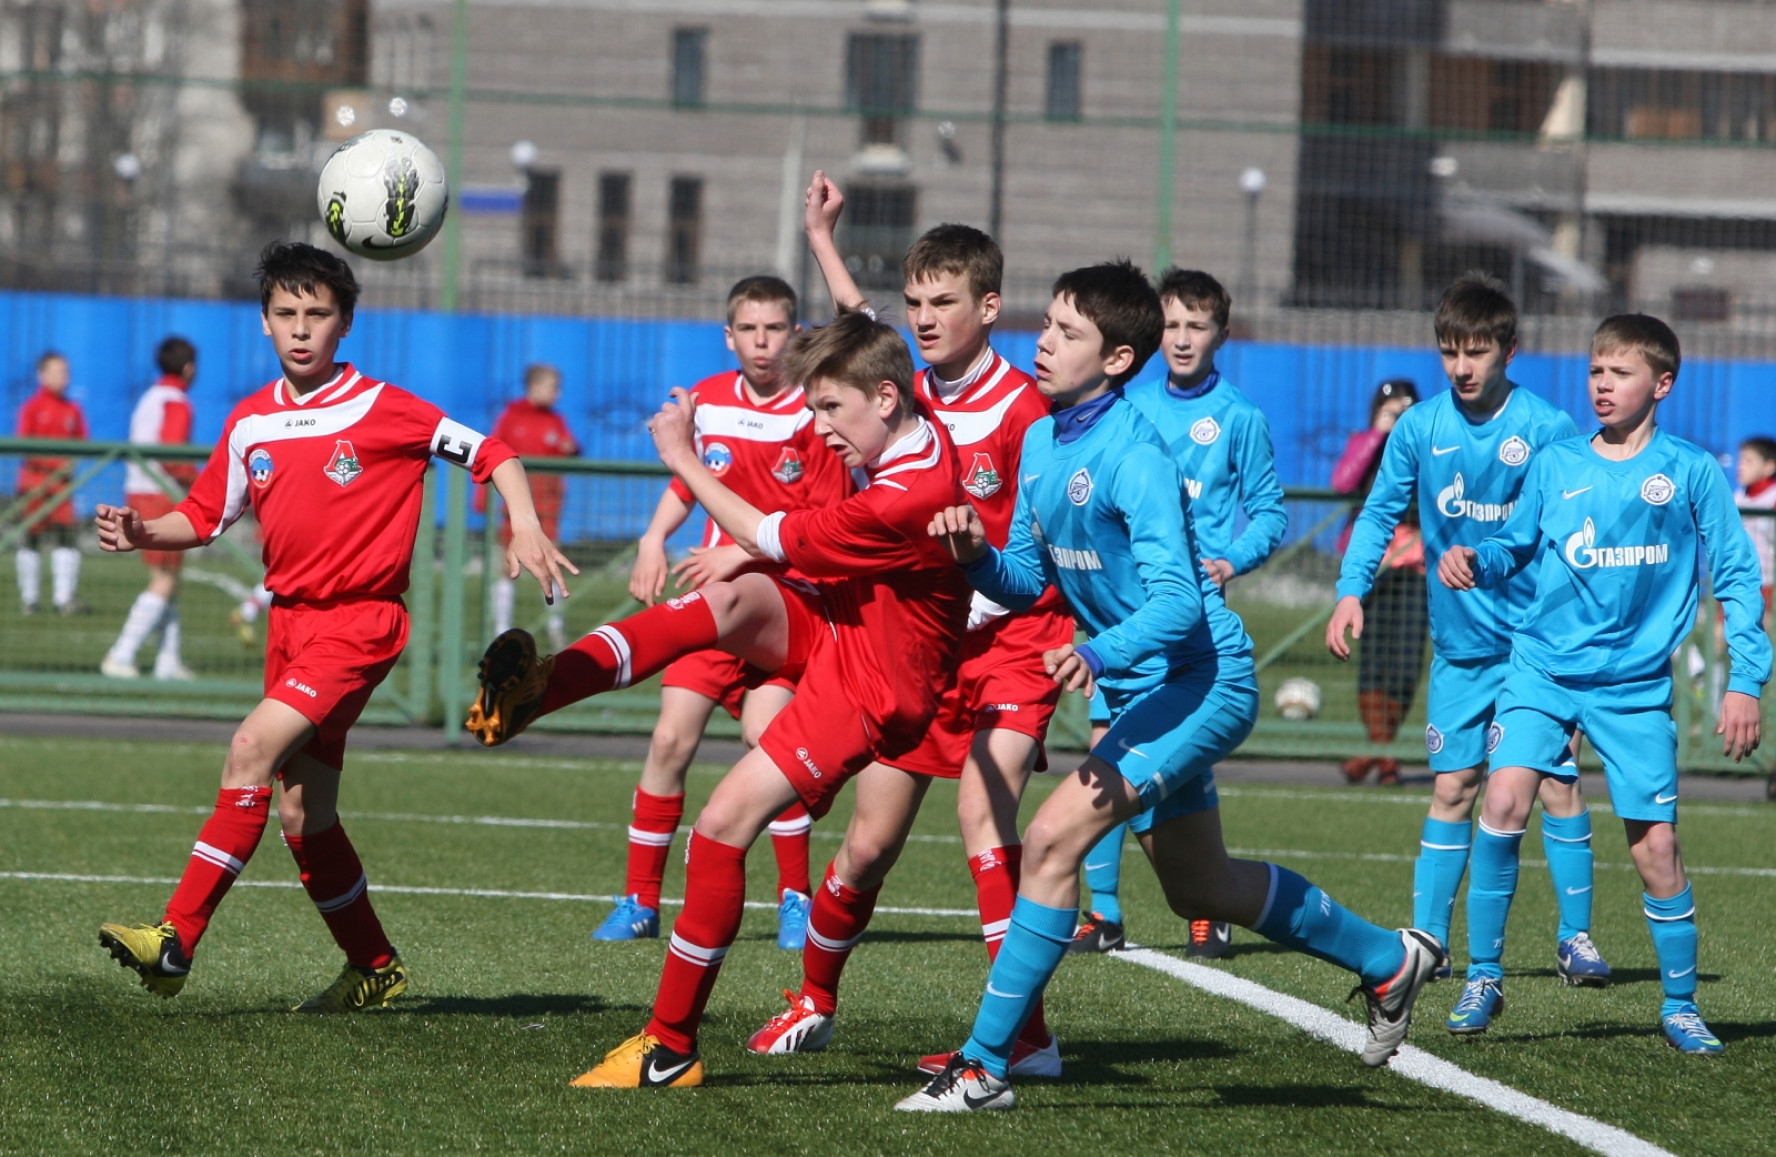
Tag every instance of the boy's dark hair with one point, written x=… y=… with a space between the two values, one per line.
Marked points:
x=48 y=356
x=1194 y=289
x=1476 y=306
x=1763 y=447
x=174 y=356
x=856 y=350
x=962 y=250
x=1643 y=333
x=1117 y=298
x=764 y=289
x=297 y=268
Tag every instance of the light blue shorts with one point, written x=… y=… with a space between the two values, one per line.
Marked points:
x=1098 y=710
x=1459 y=728
x=1167 y=741
x=1628 y=723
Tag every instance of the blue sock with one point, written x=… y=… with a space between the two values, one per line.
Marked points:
x=1567 y=844
x=1673 y=925
x=1302 y=917
x=1437 y=875
x=1028 y=956
x=1103 y=874
x=1489 y=899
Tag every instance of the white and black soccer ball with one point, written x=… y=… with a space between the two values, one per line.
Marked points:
x=383 y=194
x=1298 y=699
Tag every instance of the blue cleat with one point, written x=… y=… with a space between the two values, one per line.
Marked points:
x=792 y=920
x=1577 y=961
x=629 y=920
x=1685 y=1032
x=1482 y=999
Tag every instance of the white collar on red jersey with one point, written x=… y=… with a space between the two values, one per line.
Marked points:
x=980 y=371
x=919 y=450
x=284 y=395
x=788 y=398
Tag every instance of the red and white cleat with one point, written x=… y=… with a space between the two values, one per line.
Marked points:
x=1026 y=1059
x=798 y=1029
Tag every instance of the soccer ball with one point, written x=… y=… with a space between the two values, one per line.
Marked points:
x=1298 y=699
x=383 y=194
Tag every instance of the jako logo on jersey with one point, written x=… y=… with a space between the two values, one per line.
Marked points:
x=1583 y=552
x=260 y=466
x=1514 y=451
x=1451 y=504
x=1433 y=739
x=1069 y=559
x=1079 y=488
x=789 y=467
x=302 y=687
x=1658 y=489
x=1204 y=431
x=1494 y=732
x=717 y=458
x=983 y=479
x=344 y=465
x=1193 y=488
x=808 y=762
x=995 y=708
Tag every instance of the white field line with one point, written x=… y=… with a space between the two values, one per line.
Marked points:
x=1412 y=1063
x=596 y=826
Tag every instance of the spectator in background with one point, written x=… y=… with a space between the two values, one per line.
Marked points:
x=1757 y=491
x=1396 y=621
x=50 y=413
x=531 y=426
x=161 y=418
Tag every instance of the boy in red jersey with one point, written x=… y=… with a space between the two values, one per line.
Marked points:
x=533 y=429
x=756 y=434
x=50 y=413
x=334 y=466
x=874 y=632
x=162 y=417
x=990 y=729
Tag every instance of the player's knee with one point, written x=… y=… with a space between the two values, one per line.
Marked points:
x=250 y=759
x=1457 y=789
x=752 y=730
x=671 y=748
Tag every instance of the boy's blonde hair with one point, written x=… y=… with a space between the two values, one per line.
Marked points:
x=856 y=350
x=1644 y=334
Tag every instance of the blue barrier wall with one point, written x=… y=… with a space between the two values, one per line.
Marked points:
x=615 y=371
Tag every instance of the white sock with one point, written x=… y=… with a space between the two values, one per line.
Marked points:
x=64 y=569
x=143 y=614
x=557 y=629
x=505 y=593
x=30 y=570
x=167 y=662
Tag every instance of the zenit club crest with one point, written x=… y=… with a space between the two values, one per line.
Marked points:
x=717 y=458
x=1205 y=431
x=982 y=479
x=1079 y=488
x=260 y=467
x=1658 y=490
x=1514 y=451
x=1495 y=731
x=789 y=467
x=1433 y=739
x=344 y=465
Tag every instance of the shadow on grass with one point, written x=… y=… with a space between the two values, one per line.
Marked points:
x=1621 y=976
x=1097 y=1063
x=1305 y=1097
x=971 y=936
x=515 y=1004
x=1727 y=1031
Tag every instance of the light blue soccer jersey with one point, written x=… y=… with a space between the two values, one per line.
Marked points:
x=1612 y=549
x=1104 y=518
x=1221 y=443
x=1468 y=475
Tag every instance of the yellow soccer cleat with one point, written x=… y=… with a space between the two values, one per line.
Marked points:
x=153 y=952
x=513 y=680
x=642 y=1062
x=360 y=989
x=243 y=630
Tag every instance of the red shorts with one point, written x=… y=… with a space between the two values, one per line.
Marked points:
x=326 y=660
x=1000 y=685
x=156 y=506
x=722 y=677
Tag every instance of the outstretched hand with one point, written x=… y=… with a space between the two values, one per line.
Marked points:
x=120 y=528
x=531 y=550
x=821 y=206
x=674 y=429
x=961 y=532
x=1740 y=727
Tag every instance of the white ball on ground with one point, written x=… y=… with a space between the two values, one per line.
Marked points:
x=383 y=194
x=1298 y=699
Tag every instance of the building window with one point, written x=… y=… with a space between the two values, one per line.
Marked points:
x=1063 y=80
x=684 y=230
x=878 y=230
x=612 y=262
x=1347 y=86
x=539 y=224
x=689 y=48
x=881 y=82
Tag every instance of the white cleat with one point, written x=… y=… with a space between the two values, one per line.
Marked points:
x=1390 y=1002
x=963 y=1087
x=113 y=669
x=179 y=673
x=797 y=1029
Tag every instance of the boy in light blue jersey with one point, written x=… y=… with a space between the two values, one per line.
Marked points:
x=1221 y=443
x=1610 y=528
x=1466 y=453
x=1101 y=514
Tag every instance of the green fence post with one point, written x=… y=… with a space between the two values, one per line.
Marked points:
x=450 y=610
x=423 y=613
x=493 y=561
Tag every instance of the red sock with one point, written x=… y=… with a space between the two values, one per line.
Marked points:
x=650 y=841
x=618 y=654
x=336 y=883
x=996 y=873
x=223 y=848
x=835 y=925
x=789 y=839
x=715 y=896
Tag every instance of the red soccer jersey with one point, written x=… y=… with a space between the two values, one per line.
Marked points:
x=537 y=432
x=46 y=415
x=766 y=452
x=162 y=417
x=897 y=602
x=335 y=478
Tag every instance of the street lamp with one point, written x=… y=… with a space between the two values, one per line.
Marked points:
x=1252 y=182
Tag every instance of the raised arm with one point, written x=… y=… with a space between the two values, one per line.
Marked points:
x=820 y=213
